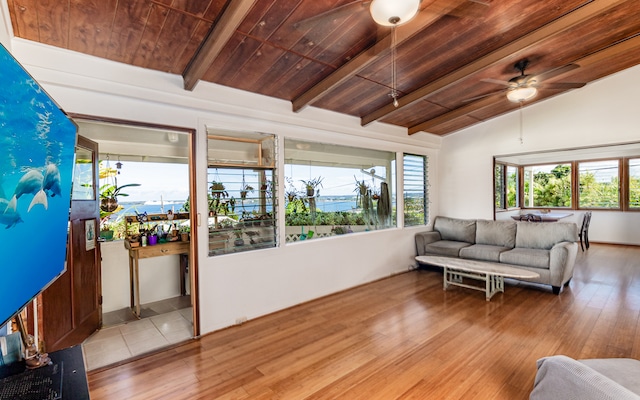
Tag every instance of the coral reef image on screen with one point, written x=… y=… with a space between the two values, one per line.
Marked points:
x=37 y=143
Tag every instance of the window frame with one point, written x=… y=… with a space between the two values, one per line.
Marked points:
x=261 y=225
x=572 y=196
x=576 y=200
x=425 y=179
x=312 y=154
x=625 y=191
x=505 y=188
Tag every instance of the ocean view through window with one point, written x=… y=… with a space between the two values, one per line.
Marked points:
x=334 y=190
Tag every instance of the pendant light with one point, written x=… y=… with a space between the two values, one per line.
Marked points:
x=393 y=13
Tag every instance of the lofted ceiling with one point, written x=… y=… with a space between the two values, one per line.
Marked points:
x=331 y=55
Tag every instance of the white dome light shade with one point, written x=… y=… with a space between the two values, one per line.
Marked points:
x=393 y=12
x=521 y=94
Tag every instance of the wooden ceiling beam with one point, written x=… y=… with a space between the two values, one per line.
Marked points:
x=218 y=36
x=364 y=59
x=621 y=47
x=624 y=46
x=455 y=113
x=553 y=28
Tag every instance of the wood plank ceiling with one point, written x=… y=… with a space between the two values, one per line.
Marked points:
x=320 y=54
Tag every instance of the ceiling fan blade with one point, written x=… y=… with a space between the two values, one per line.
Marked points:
x=482 y=96
x=496 y=81
x=555 y=72
x=562 y=86
x=332 y=14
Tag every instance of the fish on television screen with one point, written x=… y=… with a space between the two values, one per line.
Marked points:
x=37 y=143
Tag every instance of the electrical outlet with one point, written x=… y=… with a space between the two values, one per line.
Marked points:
x=241 y=320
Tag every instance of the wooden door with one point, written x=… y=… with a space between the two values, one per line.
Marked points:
x=71 y=306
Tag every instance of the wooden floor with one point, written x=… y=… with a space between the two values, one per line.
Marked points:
x=402 y=338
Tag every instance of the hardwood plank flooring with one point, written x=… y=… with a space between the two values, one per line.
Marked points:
x=402 y=338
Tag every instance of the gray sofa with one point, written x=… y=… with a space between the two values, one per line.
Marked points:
x=562 y=377
x=549 y=249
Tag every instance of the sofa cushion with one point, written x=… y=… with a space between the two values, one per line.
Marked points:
x=445 y=248
x=496 y=233
x=483 y=252
x=624 y=371
x=459 y=230
x=543 y=235
x=561 y=377
x=537 y=258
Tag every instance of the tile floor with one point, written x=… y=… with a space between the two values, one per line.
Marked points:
x=123 y=336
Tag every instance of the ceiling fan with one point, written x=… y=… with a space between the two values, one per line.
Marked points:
x=524 y=87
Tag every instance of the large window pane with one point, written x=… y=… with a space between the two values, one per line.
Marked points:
x=241 y=200
x=547 y=185
x=599 y=184
x=416 y=200
x=634 y=183
x=332 y=190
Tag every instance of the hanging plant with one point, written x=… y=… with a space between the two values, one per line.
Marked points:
x=109 y=196
x=311 y=185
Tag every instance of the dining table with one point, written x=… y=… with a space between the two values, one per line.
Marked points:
x=554 y=216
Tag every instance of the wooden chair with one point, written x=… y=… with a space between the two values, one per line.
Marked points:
x=584 y=231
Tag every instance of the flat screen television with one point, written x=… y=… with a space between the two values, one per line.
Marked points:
x=37 y=149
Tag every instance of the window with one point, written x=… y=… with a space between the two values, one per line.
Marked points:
x=500 y=188
x=241 y=200
x=599 y=184
x=333 y=190
x=506 y=186
x=547 y=185
x=634 y=183
x=416 y=196
x=512 y=186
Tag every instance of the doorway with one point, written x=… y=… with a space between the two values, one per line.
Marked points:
x=149 y=294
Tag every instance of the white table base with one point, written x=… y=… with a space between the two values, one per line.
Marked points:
x=493 y=283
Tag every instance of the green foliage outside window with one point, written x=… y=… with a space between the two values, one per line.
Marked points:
x=550 y=189
x=512 y=186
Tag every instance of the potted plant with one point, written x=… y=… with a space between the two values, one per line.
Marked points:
x=184 y=233
x=239 y=240
x=311 y=185
x=109 y=196
x=106 y=231
x=110 y=191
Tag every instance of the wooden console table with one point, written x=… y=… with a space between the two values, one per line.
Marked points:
x=161 y=249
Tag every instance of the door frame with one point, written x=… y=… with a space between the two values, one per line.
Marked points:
x=193 y=212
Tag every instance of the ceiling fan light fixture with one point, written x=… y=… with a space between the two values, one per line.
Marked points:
x=521 y=94
x=393 y=12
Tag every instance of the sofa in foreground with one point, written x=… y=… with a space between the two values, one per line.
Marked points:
x=550 y=249
x=563 y=378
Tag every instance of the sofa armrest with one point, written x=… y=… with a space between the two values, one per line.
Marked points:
x=561 y=377
x=561 y=262
x=424 y=238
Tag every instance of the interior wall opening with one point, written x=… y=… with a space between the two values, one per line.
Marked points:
x=148 y=273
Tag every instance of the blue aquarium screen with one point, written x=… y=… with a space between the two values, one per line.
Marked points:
x=37 y=148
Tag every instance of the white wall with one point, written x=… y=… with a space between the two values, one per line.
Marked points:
x=251 y=284
x=159 y=277
x=6 y=33
x=602 y=112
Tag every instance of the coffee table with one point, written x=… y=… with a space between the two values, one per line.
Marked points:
x=491 y=273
